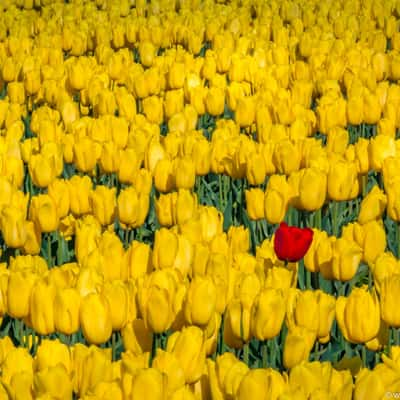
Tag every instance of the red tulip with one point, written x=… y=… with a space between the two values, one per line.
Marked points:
x=291 y=243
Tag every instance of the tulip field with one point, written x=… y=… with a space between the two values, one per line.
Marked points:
x=199 y=199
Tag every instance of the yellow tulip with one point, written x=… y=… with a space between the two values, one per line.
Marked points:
x=43 y=211
x=149 y=383
x=261 y=384
x=298 y=344
x=346 y=257
x=66 y=310
x=173 y=102
x=380 y=148
x=201 y=301
x=372 y=206
x=20 y=285
x=389 y=310
x=255 y=203
x=137 y=338
x=52 y=352
x=16 y=361
x=153 y=109
x=215 y=101
x=358 y=315
x=13 y=226
x=95 y=318
x=103 y=204
x=342 y=181
x=276 y=199
x=268 y=313
x=189 y=348
x=79 y=189
x=86 y=154
x=168 y=364
x=58 y=191
x=117 y=295
x=42 y=307
x=138 y=259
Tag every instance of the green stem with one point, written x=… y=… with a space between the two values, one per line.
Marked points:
x=335 y=209
x=364 y=355
x=220 y=341
x=49 y=257
x=370 y=279
x=318 y=219
x=126 y=238
x=246 y=353
x=347 y=348
x=154 y=348
x=364 y=181
x=316 y=351
x=113 y=346
x=220 y=191
x=398 y=239
x=308 y=279
x=264 y=350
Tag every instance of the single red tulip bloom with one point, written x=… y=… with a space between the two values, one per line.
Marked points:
x=291 y=243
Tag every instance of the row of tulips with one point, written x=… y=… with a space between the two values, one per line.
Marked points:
x=181 y=371
x=177 y=282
